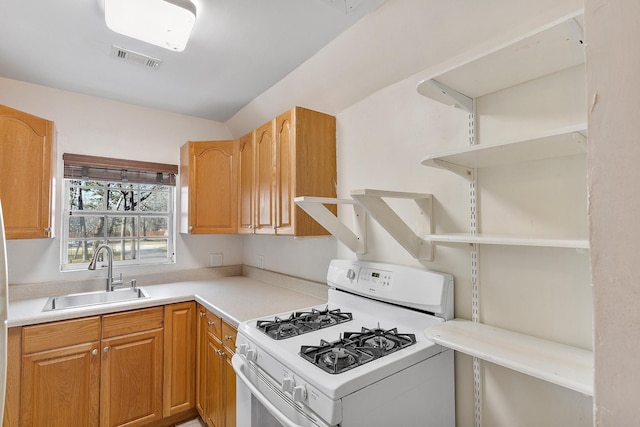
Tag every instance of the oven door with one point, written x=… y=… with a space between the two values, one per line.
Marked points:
x=261 y=403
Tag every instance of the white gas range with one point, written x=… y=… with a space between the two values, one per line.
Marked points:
x=360 y=360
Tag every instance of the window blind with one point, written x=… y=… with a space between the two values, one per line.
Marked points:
x=79 y=166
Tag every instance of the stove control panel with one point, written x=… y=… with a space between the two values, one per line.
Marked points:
x=375 y=277
x=419 y=288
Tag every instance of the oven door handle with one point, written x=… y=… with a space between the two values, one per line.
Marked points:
x=238 y=365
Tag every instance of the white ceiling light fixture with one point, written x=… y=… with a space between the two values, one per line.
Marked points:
x=164 y=23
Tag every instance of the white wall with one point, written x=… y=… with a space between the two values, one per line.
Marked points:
x=614 y=151
x=100 y=127
x=367 y=78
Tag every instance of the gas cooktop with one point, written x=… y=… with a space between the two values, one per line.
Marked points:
x=355 y=349
x=302 y=322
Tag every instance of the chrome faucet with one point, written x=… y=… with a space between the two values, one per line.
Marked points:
x=92 y=266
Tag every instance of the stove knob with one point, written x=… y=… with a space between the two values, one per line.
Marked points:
x=287 y=384
x=351 y=274
x=251 y=355
x=299 y=393
x=242 y=349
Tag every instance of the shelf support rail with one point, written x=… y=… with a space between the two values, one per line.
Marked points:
x=315 y=207
x=410 y=240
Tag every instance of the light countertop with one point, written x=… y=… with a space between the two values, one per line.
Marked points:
x=234 y=298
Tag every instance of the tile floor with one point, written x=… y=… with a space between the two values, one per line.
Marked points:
x=193 y=423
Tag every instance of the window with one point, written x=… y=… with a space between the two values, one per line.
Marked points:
x=119 y=203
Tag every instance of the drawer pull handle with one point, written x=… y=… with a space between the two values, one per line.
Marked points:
x=211 y=323
x=228 y=337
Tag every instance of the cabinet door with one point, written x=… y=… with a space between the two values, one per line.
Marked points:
x=246 y=185
x=201 y=361
x=131 y=379
x=229 y=389
x=214 y=398
x=60 y=387
x=179 y=357
x=209 y=183
x=265 y=179
x=285 y=134
x=27 y=167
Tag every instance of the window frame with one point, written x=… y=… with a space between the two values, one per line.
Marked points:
x=123 y=169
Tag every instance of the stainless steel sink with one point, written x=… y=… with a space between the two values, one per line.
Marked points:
x=94 y=298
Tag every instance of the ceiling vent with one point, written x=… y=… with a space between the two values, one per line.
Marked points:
x=138 y=58
x=347 y=6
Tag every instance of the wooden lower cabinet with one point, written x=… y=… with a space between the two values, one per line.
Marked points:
x=103 y=370
x=179 y=358
x=214 y=416
x=60 y=374
x=229 y=381
x=216 y=389
x=65 y=387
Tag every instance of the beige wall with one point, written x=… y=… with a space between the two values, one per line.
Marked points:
x=614 y=152
x=100 y=127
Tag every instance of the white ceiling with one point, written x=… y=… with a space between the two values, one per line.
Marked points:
x=238 y=49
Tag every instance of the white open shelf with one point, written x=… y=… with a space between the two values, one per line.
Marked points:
x=561 y=142
x=507 y=240
x=559 y=364
x=554 y=47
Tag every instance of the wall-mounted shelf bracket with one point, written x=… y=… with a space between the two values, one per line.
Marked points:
x=444 y=94
x=465 y=172
x=410 y=239
x=315 y=207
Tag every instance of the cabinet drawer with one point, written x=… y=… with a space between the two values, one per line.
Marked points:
x=214 y=324
x=65 y=333
x=229 y=336
x=132 y=321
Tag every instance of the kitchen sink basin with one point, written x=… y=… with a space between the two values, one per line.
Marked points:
x=94 y=298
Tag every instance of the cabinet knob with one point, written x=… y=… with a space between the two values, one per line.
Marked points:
x=191 y=228
x=47 y=230
x=106 y=349
x=94 y=351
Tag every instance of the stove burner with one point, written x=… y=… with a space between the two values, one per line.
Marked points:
x=301 y=322
x=337 y=358
x=355 y=349
x=286 y=330
x=380 y=342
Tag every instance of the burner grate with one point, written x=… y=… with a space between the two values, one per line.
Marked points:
x=301 y=322
x=355 y=349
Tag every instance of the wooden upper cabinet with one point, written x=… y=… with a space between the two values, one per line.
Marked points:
x=209 y=187
x=293 y=155
x=246 y=184
x=305 y=166
x=27 y=171
x=264 y=215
